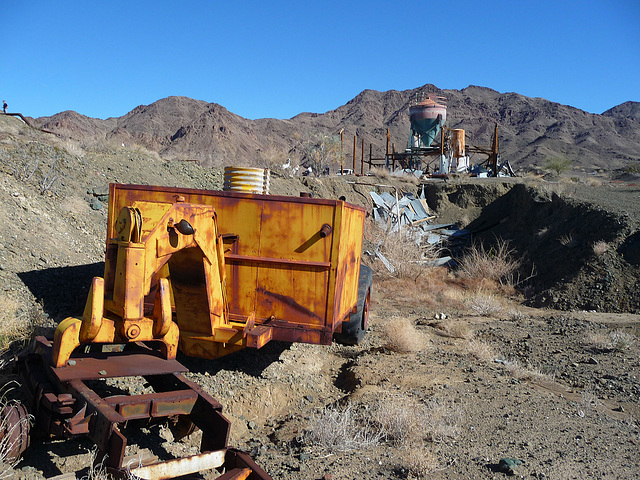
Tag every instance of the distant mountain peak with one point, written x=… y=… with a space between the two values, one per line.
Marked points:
x=530 y=128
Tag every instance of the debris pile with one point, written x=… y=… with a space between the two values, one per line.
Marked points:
x=410 y=215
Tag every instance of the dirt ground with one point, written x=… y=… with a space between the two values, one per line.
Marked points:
x=548 y=377
x=547 y=388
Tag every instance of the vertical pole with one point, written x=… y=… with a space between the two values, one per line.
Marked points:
x=393 y=146
x=362 y=159
x=494 y=152
x=342 y=151
x=370 y=155
x=354 y=153
x=388 y=137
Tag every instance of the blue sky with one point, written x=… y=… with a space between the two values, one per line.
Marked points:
x=277 y=59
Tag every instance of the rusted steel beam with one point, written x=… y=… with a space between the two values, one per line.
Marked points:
x=103 y=429
x=116 y=365
x=154 y=405
x=236 y=474
x=240 y=459
x=181 y=466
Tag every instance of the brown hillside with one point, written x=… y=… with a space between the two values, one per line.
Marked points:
x=531 y=129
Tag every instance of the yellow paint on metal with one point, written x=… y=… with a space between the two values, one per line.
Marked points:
x=214 y=272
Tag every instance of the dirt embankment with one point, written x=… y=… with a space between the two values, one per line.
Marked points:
x=578 y=244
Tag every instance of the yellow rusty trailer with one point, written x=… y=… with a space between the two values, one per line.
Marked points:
x=207 y=273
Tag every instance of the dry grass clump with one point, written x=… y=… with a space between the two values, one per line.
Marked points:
x=419 y=462
x=342 y=429
x=485 y=304
x=567 y=240
x=599 y=248
x=519 y=372
x=14 y=324
x=453 y=329
x=407 y=422
x=436 y=289
x=480 y=351
x=381 y=173
x=593 y=182
x=496 y=264
x=614 y=341
x=401 y=250
x=516 y=315
x=401 y=336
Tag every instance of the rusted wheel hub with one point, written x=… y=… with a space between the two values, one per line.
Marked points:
x=14 y=431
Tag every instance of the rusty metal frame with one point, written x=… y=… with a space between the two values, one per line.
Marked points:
x=64 y=405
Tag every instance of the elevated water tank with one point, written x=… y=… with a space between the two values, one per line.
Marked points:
x=427 y=117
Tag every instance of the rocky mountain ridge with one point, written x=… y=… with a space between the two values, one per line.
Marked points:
x=531 y=129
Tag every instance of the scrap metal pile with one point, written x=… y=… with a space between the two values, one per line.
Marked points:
x=409 y=215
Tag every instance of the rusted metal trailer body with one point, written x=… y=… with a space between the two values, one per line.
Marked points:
x=291 y=265
x=208 y=273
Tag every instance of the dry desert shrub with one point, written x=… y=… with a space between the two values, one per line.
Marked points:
x=496 y=263
x=593 y=182
x=621 y=341
x=419 y=462
x=407 y=422
x=14 y=323
x=485 y=304
x=614 y=341
x=453 y=329
x=516 y=315
x=411 y=178
x=519 y=372
x=381 y=173
x=401 y=336
x=342 y=429
x=599 y=248
x=401 y=250
x=480 y=351
x=73 y=148
x=436 y=289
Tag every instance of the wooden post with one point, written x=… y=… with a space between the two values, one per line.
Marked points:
x=342 y=151
x=354 y=153
x=393 y=146
x=370 y=155
x=388 y=137
x=494 y=152
x=362 y=159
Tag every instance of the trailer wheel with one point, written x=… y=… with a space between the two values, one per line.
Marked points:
x=355 y=329
x=14 y=431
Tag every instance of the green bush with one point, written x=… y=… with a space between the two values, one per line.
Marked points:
x=558 y=164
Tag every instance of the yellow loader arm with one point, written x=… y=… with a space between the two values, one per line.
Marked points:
x=153 y=239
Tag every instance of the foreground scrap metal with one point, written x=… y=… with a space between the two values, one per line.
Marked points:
x=208 y=273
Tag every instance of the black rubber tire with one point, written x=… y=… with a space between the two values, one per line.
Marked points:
x=355 y=329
